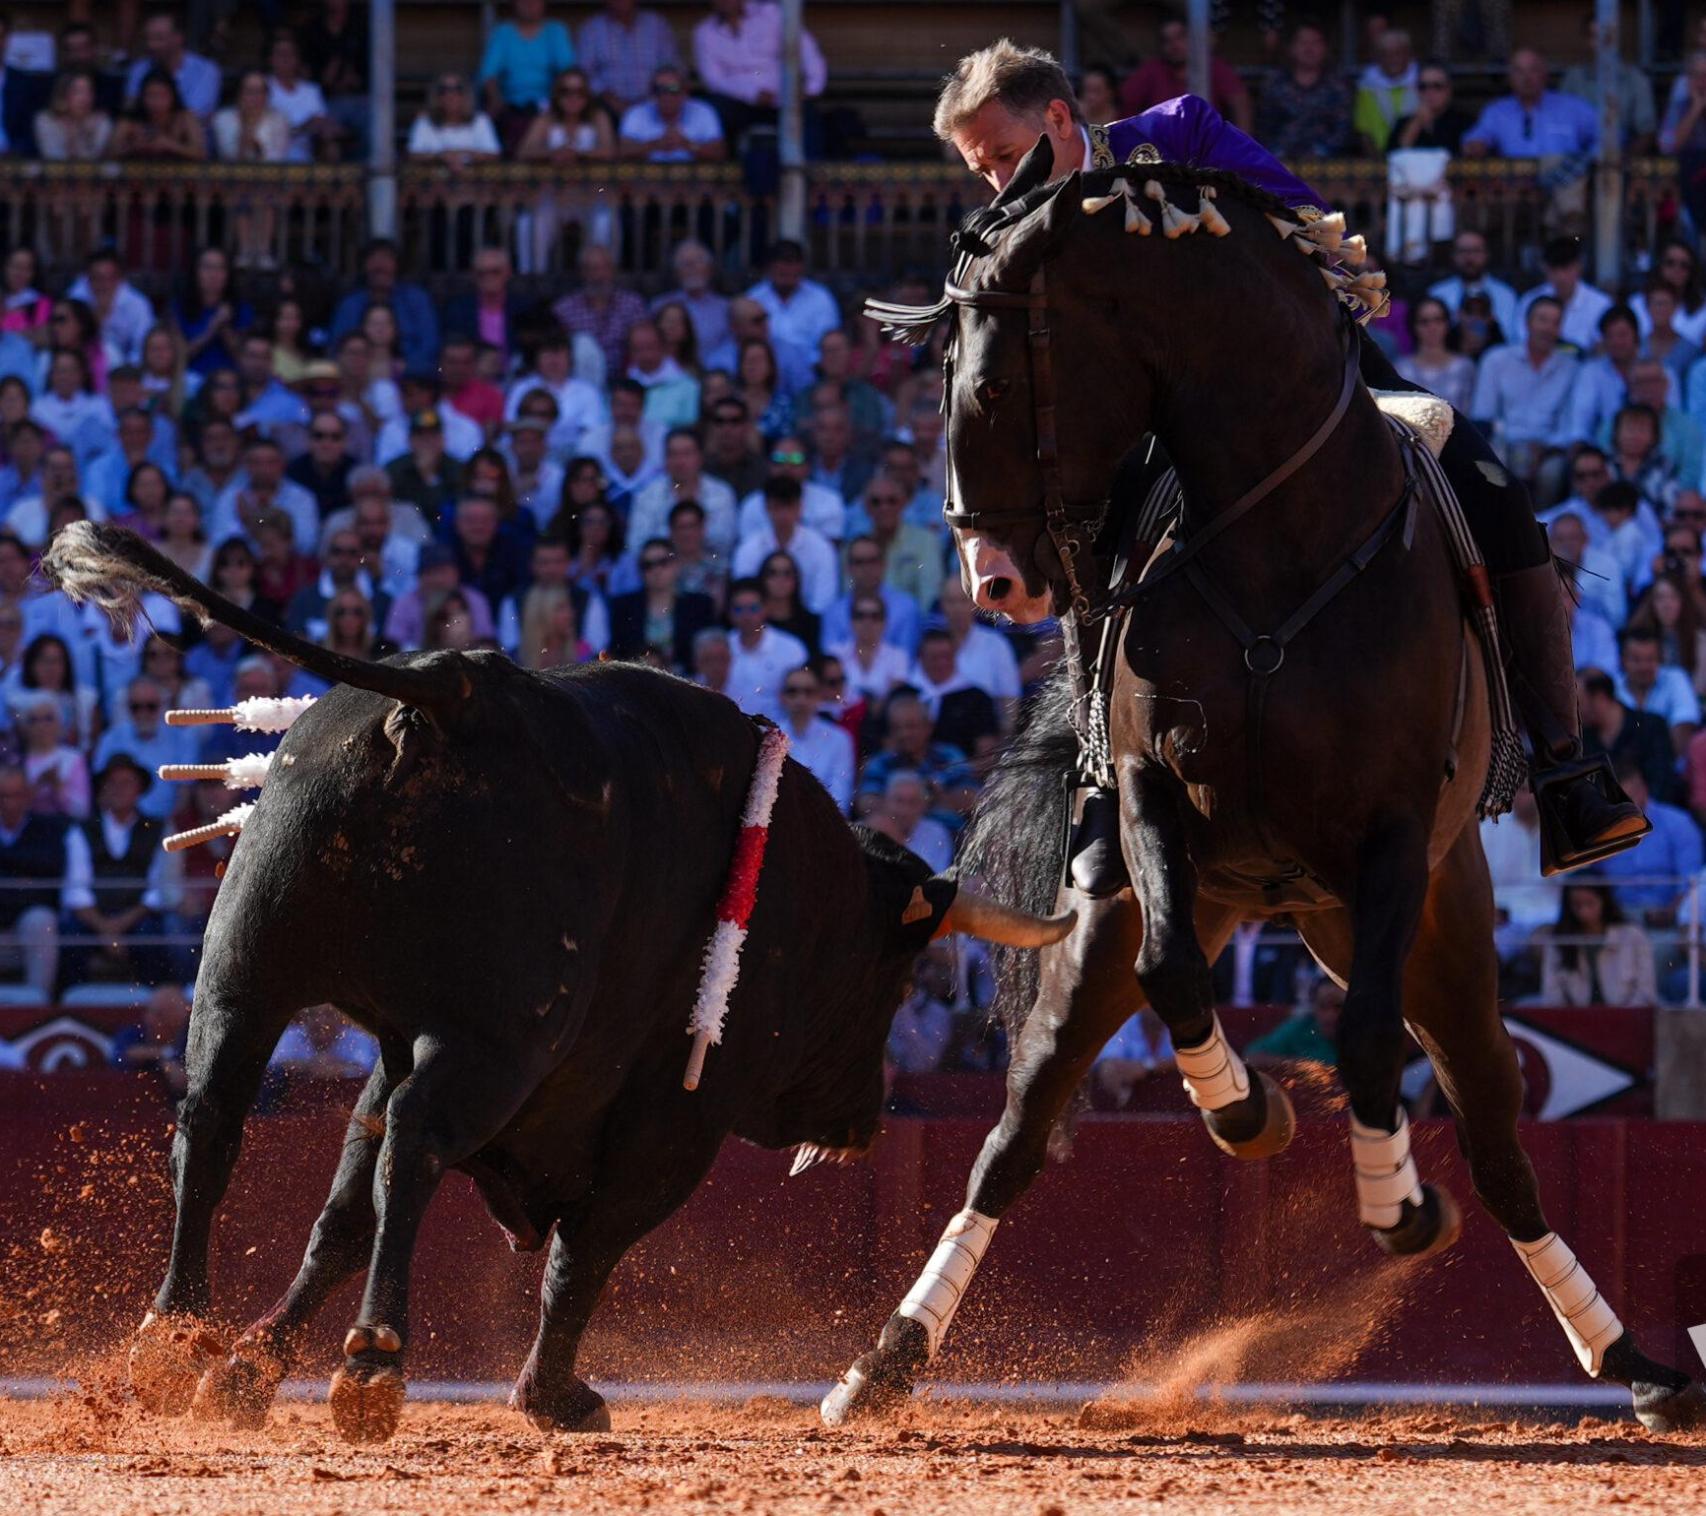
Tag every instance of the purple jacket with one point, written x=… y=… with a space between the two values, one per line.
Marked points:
x=1190 y=130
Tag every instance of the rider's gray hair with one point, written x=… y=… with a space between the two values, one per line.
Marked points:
x=1023 y=79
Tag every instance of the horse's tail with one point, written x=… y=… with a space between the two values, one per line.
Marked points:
x=111 y=567
x=1015 y=842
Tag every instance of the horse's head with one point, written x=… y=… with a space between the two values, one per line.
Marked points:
x=1038 y=408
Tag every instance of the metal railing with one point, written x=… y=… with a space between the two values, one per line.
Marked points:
x=861 y=219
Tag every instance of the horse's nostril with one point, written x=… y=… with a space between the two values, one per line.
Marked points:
x=1000 y=588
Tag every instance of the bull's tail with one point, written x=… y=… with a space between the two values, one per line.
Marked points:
x=111 y=567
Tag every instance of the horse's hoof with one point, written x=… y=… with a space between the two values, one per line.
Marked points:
x=1424 y=1229
x=367 y=1403
x=576 y=1408
x=239 y=1389
x=168 y=1356
x=1662 y=1410
x=1259 y=1126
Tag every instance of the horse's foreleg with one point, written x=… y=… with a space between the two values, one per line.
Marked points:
x=1247 y=1117
x=1453 y=992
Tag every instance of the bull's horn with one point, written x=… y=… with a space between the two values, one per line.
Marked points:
x=979 y=916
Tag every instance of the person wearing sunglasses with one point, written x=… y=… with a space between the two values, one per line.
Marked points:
x=824 y=511
x=670 y=127
x=450 y=130
x=819 y=744
x=141 y=733
x=658 y=618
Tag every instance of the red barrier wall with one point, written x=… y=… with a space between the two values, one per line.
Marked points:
x=1146 y=1235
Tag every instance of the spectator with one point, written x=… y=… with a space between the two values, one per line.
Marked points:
x=550 y=631
x=159 y=127
x=1593 y=955
x=1583 y=306
x=680 y=341
x=21 y=477
x=867 y=407
x=1678 y=267
x=261 y=489
x=1680 y=448
x=157 y=1043
x=1636 y=456
x=1522 y=901
x=570 y=130
x=949 y=779
x=336 y=50
x=417 y=321
x=164 y=663
x=1312 y=1037
x=59 y=778
x=912 y=556
x=737 y=54
x=1431 y=363
x=1437 y=121
x=1166 y=75
x=621 y=50
x=785 y=529
x=671 y=394
x=1666 y=859
x=298 y=99
x=491 y=312
x=670 y=127
x=1386 y=91
x=145 y=739
x=1663 y=341
x=1469 y=260
x=872 y=663
x=123 y=313
x=594 y=534
x=865 y=563
x=231 y=569
x=548 y=569
x=815 y=742
x=538 y=482
x=580 y=409
x=194 y=79
x=923 y=1025
x=450 y=130
x=73 y=129
x=208 y=317
x=1602 y=383
x=32 y=849
x=1305 y=109
x=307 y=614
x=1645 y=683
x=490 y=555
x=1524 y=393
x=106 y=482
x=964 y=716
x=411 y=613
x=779 y=577
x=749 y=321
x=684 y=478
x=732 y=454
x=836 y=465
x=1684 y=135
x=599 y=308
x=709 y=311
x=1127 y=1058
x=320 y=1044
x=1673 y=615
x=24 y=309
x=982 y=655
x=384 y=340
x=1598 y=581
x=352 y=625
x=801 y=310
x=30 y=517
x=390 y=535
x=699 y=569
x=760 y=389
x=523 y=56
x=217 y=466
x=658 y=618
x=899 y=814
x=1635 y=108
x=1099 y=96
x=713 y=661
x=761 y=655
x=1534 y=121
x=268 y=407
x=900 y=460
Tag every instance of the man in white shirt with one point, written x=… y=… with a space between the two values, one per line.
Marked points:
x=463 y=436
x=785 y=531
x=1583 y=304
x=580 y=408
x=259 y=489
x=820 y=745
x=538 y=481
x=825 y=511
x=801 y=310
x=1646 y=683
x=671 y=127
x=761 y=656
x=1469 y=259
x=900 y=815
x=1524 y=901
x=125 y=314
x=627 y=413
x=684 y=478
x=981 y=653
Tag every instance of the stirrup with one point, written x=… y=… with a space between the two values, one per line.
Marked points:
x=1095 y=865
x=1560 y=852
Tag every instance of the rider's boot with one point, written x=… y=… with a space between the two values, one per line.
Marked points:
x=1096 y=865
x=1584 y=814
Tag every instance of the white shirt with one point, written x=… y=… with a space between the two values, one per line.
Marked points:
x=697 y=122
x=648 y=517
x=828 y=752
x=543 y=498
x=804 y=317
x=745 y=61
x=824 y=511
x=476 y=136
x=77 y=893
x=65 y=418
x=304 y=512
x=1513 y=860
x=580 y=410
x=889 y=668
x=128 y=322
x=1581 y=315
x=756 y=674
x=27 y=519
x=1691 y=325
x=1672 y=696
x=299 y=105
x=820 y=569
x=930 y=842
x=987 y=660
x=1499 y=294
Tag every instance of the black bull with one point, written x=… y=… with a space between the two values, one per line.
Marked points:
x=509 y=879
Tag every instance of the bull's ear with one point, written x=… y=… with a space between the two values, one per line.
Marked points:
x=1037 y=238
x=1033 y=170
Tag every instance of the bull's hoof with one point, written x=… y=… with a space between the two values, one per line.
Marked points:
x=1424 y=1229
x=168 y=1356
x=1258 y=1126
x=881 y=1380
x=367 y=1403
x=239 y=1389
x=577 y=1407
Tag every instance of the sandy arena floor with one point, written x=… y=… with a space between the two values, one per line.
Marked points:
x=68 y=1456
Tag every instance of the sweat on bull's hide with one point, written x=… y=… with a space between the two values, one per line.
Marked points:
x=509 y=878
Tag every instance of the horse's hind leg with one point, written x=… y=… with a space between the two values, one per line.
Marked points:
x=1084 y=996
x=1454 y=1009
x=1248 y=1118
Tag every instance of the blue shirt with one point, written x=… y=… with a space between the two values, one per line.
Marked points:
x=943 y=766
x=169 y=744
x=1556 y=126
x=523 y=69
x=900 y=627
x=197 y=80
x=417 y=322
x=1670 y=850
x=1532 y=404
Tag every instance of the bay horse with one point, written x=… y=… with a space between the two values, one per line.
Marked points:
x=1329 y=767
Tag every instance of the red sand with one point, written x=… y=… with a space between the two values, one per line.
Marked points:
x=773 y=1457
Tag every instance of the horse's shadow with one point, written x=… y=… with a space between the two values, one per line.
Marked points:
x=1633 y=1451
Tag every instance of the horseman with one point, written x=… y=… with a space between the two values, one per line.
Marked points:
x=993 y=109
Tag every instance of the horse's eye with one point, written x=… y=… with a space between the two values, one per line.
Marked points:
x=991 y=390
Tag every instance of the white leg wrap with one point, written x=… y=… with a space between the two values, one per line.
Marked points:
x=932 y=1301
x=1590 y=1324
x=1386 y=1173
x=1215 y=1076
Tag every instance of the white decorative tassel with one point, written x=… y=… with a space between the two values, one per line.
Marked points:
x=932 y=1301
x=1354 y=250
x=1326 y=232
x=1590 y=1324
x=1215 y=224
x=1284 y=227
x=227 y=825
x=1174 y=222
x=1095 y=204
x=246 y=773
x=259 y=713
